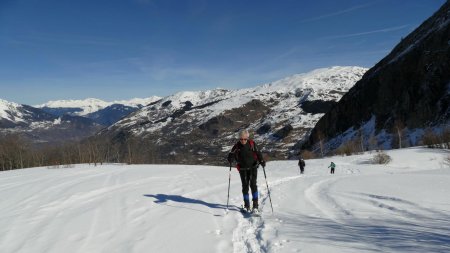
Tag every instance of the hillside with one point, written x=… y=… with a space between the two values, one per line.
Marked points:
x=408 y=90
x=401 y=207
x=102 y=112
x=91 y=105
x=41 y=127
x=200 y=126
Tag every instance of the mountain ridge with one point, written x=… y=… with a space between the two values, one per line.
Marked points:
x=409 y=90
x=92 y=105
x=203 y=124
x=41 y=127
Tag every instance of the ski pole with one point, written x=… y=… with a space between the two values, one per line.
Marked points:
x=268 y=190
x=229 y=180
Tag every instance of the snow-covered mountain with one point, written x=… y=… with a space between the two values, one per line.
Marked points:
x=396 y=208
x=91 y=105
x=40 y=126
x=13 y=114
x=102 y=112
x=78 y=107
x=195 y=123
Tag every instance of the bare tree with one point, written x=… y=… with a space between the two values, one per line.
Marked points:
x=430 y=138
x=348 y=148
x=361 y=139
x=2 y=156
x=373 y=142
x=398 y=128
x=320 y=137
x=308 y=154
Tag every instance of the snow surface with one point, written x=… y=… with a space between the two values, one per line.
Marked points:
x=91 y=105
x=401 y=207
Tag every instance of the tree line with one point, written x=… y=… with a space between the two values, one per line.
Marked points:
x=17 y=152
x=359 y=143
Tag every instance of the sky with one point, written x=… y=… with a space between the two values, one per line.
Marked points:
x=121 y=49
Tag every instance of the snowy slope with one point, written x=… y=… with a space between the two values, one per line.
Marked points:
x=295 y=103
x=12 y=111
x=39 y=126
x=288 y=92
x=402 y=207
x=91 y=105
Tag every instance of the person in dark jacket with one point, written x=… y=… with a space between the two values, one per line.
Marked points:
x=248 y=157
x=301 y=164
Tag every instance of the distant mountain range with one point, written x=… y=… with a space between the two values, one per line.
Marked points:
x=40 y=126
x=65 y=120
x=102 y=112
x=199 y=126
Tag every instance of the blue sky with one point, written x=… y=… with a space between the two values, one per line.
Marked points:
x=120 y=49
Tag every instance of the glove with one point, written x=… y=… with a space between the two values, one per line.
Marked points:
x=230 y=158
x=263 y=164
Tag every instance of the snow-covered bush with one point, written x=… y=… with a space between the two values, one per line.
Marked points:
x=381 y=158
x=447 y=161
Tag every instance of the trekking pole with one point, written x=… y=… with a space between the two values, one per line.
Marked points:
x=268 y=190
x=229 y=180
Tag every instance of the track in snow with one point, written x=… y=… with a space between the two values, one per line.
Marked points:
x=164 y=208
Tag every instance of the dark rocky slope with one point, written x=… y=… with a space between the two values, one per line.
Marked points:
x=411 y=85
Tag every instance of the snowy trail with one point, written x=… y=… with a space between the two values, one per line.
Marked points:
x=403 y=207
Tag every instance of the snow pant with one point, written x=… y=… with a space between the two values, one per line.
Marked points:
x=248 y=179
x=302 y=169
x=332 y=170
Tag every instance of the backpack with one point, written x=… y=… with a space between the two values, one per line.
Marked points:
x=252 y=147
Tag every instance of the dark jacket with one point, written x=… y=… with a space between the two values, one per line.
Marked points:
x=247 y=156
x=301 y=163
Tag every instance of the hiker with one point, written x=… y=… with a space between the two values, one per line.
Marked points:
x=248 y=157
x=332 y=166
x=301 y=164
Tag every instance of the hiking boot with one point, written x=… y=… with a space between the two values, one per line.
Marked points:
x=246 y=205
x=245 y=209
x=255 y=204
x=255 y=211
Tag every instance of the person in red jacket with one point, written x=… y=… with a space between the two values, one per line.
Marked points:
x=248 y=157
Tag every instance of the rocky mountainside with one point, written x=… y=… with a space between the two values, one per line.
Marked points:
x=410 y=88
x=102 y=112
x=42 y=127
x=201 y=126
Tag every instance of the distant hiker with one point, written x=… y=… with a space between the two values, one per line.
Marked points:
x=301 y=164
x=332 y=166
x=248 y=157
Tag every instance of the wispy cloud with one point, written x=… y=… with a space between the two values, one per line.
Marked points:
x=337 y=13
x=384 y=30
x=69 y=39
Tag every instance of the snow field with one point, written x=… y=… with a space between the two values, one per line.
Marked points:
x=402 y=207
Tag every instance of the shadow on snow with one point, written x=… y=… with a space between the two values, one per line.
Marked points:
x=164 y=198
